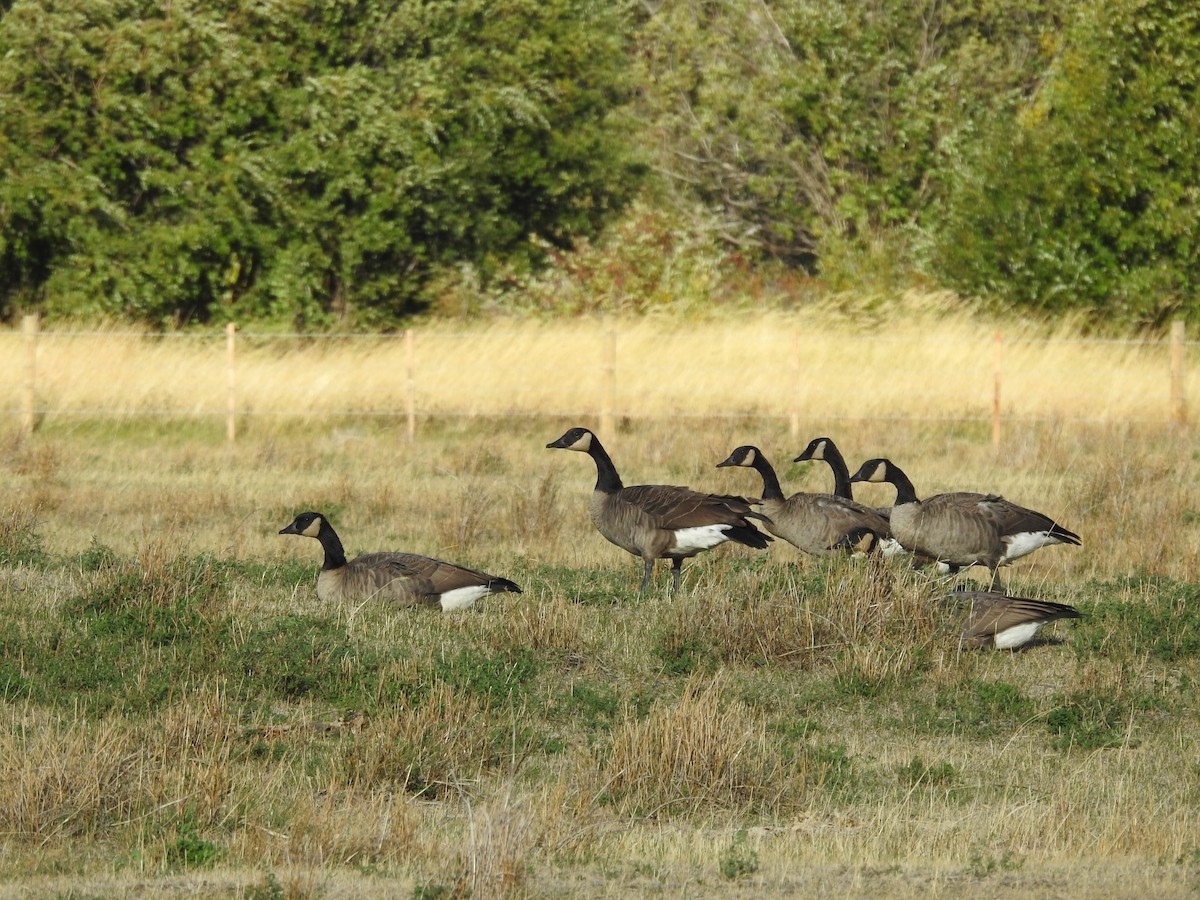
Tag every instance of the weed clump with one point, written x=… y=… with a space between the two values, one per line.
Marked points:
x=20 y=541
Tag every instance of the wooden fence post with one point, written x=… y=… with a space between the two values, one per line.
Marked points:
x=230 y=382
x=998 y=356
x=29 y=328
x=410 y=386
x=1178 y=399
x=608 y=390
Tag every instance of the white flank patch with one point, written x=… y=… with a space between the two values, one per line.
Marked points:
x=693 y=540
x=462 y=598
x=1018 y=545
x=1011 y=638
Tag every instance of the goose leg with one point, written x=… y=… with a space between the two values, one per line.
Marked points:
x=996 y=583
x=676 y=569
x=646 y=576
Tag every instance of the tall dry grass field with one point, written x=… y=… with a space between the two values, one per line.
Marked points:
x=181 y=716
x=816 y=365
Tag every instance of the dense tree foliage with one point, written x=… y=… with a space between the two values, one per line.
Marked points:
x=803 y=121
x=313 y=163
x=1090 y=197
x=297 y=160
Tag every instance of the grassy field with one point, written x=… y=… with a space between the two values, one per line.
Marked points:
x=182 y=717
x=825 y=364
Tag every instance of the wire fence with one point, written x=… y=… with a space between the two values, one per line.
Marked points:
x=596 y=372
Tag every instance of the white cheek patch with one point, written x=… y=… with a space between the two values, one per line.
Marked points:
x=889 y=547
x=584 y=444
x=1018 y=545
x=462 y=598
x=693 y=540
x=313 y=529
x=1011 y=638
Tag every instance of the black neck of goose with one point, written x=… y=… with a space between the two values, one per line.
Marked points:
x=841 y=475
x=905 y=492
x=607 y=479
x=335 y=554
x=771 y=488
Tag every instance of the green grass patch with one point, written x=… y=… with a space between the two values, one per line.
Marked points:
x=1162 y=619
x=137 y=635
x=302 y=657
x=1091 y=720
x=615 y=586
x=684 y=653
x=187 y=849
x=974 y=708
x=590 y=704
x=505 y=676
x=739 y=859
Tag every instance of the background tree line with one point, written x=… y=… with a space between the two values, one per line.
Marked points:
x=348 y=162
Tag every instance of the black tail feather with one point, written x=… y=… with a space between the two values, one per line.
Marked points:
x=750 y=536
x=1065 y=535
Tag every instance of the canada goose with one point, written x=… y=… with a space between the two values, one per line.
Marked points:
x=991 y=619
x=660 y=521
x=962 y=528
x=401 y=579
x=815 y=523
x=825 y=449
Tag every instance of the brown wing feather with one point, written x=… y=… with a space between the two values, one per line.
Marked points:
x=410 y=578
x=674 y=507
x=817 y=523
x=1009 y=518
x=994 y=613
x=951 y=527
x=988 y=613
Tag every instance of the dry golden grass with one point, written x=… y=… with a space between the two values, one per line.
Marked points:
x=697 y=752
x=783 y=725
x=925 y=359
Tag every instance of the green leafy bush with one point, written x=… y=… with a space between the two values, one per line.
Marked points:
x=319 y=162
x=1086 y=199
x=738 y=859
x=798 y=125
x=189 y=850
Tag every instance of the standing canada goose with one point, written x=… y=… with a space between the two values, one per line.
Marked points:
x=814 y=523
x=400 y=579
x=825 y=449
x=661 y=521
x=961 y=528
x=991 y=619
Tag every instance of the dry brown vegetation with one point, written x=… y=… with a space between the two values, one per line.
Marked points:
x=180 y=716
x=825 y=362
